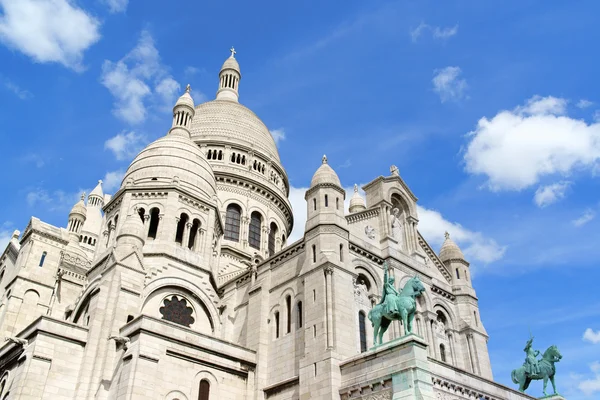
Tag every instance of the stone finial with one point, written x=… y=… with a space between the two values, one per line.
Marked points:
x=394 y=170
x=446 y=235
x=324 y=159
x=82 y=196
x=355 y=188
x=100 y=182
x=188 y=88
x=232 y=50
x=16 y=234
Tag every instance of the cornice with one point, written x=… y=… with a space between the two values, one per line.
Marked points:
x=363 y=215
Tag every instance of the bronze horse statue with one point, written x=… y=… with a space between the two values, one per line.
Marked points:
x=395 y=306
x=544 y=369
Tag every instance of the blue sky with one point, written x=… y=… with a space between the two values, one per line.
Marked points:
x=489 y=109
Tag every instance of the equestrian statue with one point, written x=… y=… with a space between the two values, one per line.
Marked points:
x=534 y=369
x=395 y=305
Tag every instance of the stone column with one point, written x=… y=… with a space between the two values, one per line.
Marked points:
x=146 y=219
x=161 y=228
x=434 y=343
x=186 y=234
x=451 y=347
x=329 y=305
x=202 y=240
x=472 y=354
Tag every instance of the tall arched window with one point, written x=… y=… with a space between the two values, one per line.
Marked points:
x=254 y=230
x=314 y=253
x=443 y=352
x=204 y=392
x=315 y=204
x=193 y=234
x=272 y=236
x=299 y=314
x=288 y=305
x=154 y=218
x=326 y=201
x=141 y=213
x=276 y=324
x=183 y=219
x=232 y=222
x=457 y=274
x=43 y=258
x=362 y=329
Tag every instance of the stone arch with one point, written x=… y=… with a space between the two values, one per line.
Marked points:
x=176 y=395
x=397 y=196
x=92 y=289
x=212 y=379
x=234 y=200
x=193 y=291
x=438 y=306
x=31 y=297
x=372 y=272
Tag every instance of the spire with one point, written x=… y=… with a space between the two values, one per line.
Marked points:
x=450 y=250
x=77 y=216
x=229 y=78
x=183 y=113
x=325 y=174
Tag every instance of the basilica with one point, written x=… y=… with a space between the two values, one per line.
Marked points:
x=183 y=284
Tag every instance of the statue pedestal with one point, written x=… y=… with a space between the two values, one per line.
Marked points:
x=403 y=359
x=552 y=397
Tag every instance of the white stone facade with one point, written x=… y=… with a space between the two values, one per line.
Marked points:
x=182 y=286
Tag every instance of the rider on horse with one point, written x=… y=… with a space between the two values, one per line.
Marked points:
x=390 y=294
x=531 y=362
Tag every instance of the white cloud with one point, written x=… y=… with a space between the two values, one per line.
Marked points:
x=130 y=81
x=432 y=225
x=475 y=246
x=436 y=31
x=591 y=386
x=583 y=103
x=16 y=89
x=116 y=6
x=514 y=149
x=448 y=84
x=5 y=236
x=48 y=30
x=587 y=216
x=57 y=200
x=549 y=194
x=591 y=336
x=278 y=135
x=112 y=180
x=125 y=145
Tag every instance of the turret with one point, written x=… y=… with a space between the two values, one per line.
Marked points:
x=454 y=259
x=229 y=79
x=77 y=218
x=357 y=203
x=183 y=112
x=90 y=232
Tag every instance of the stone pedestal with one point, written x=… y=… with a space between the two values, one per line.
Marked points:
x=553 y=397
x=395 y=370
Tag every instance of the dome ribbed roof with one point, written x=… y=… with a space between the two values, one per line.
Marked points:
x=357 y=203
x=325 y=174
x=450 y=250
x=231 y=63
x=79 y=207
x=173 y=160
x=185 y=99
x=222 y=121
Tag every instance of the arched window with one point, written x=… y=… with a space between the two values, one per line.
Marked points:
x=315 y=204
x=232 y=157
x=362 y=329
x=90 y=240
x=232 y=222
x=272 y=236
x=183 y=219
x=220 y=154
x=314 y=253
x=194 y=234
x=254 y=230
x=474 y=315
x=141 y=213
x=288 y=305
x=209 y=154
x=43 y=258
x=326 y=201
x=443 y=352
x=341 y=253
x=154 y=218
x=299 y=314
x=337 y=203
x=457 y=274
x=276 y=324
x=204 y=392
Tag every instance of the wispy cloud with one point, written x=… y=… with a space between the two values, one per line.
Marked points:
x=57 y=200
x=583 y=103
x=5 y=235
x=448 y=84
x=586 y=217
x=116 y=6
x=112 y=180
x=550 y=194
x=436 y=31
x=590 y=336
x=278 y=135
x=125 y=145
x=592 y=385
x=516 y=148
x=130 y=81
x=48 y=30
x=12 y=87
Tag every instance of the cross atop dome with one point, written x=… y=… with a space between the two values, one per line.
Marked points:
x=232 y=50
x=188 y=88
x=324 y=159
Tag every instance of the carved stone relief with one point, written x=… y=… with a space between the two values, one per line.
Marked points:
x=370 y=232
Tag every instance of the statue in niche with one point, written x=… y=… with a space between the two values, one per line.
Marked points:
x=397 y=227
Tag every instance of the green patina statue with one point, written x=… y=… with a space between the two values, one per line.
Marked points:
x=534 y=369
x=394 y=305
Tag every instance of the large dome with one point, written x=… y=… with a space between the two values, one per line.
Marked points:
x=173 y=160
x=230 y=122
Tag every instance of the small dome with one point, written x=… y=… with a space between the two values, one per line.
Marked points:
x=173 y=160
x=325 y=174
x=231 y=62
x=357 y=203
x=450 y=250
x=79 y=208
x=186 y=98
x=132 y=227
